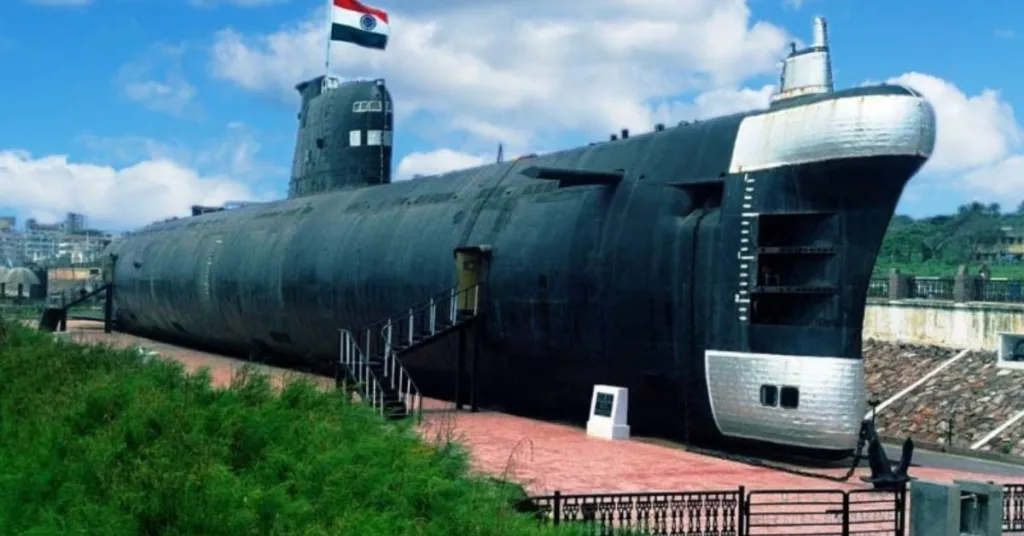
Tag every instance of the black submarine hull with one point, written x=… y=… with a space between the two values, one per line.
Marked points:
x=633 y=283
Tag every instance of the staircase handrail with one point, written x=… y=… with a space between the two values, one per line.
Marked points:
x=452 y=296
x=392 y=362
x=408 y=392
x=421 y=305
x=394 y=369
x=351 y=357
x=356 y=355
x=82 y=285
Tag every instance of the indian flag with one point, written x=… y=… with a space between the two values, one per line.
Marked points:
x=357 y=23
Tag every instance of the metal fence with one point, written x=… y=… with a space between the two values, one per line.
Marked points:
x=938 y=288
x=1001 y=290
x=825 y=512
x=710 y=513
x=878 y=287
x=728 y=513
x=1013 y=509
x=942 y=288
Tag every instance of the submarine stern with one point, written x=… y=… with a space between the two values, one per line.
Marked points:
x=821 y=173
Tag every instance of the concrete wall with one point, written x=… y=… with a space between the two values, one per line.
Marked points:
x=71 y=274
x=973 y=325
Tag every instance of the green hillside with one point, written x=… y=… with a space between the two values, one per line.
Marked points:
x=937 y=245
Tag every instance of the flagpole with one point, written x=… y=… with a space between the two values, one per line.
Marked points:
x=327 y=59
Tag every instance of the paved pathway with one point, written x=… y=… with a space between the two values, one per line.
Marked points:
x=545 y=457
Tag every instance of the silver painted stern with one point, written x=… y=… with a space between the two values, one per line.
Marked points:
x=845 y=126
x=830 y=406
x=881 y=120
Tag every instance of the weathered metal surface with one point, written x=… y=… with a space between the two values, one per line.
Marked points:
x=898 y=123
x=344 y=138
x=808 y=71
x=626 y=283
x=828 y=413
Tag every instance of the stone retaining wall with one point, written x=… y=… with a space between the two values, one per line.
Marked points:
x=960 y=405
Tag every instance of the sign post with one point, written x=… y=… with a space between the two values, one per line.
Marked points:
x=608 y=410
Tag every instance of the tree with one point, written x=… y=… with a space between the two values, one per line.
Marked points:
x=948 y=239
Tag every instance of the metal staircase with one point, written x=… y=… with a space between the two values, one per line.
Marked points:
x=55 y=314
x=370 y=355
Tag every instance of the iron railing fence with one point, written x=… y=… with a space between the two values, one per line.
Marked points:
x=942 y=288
x=1013 y=509
x=728 y=513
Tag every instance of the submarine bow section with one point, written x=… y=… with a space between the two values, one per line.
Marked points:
x=822 y=176
x=722 y=279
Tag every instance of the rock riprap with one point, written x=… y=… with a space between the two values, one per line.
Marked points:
x=958 y=406
x=891 y=367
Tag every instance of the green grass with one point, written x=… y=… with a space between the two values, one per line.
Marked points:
x=93 y=441
x=21 y=311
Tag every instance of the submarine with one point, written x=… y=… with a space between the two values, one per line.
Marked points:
x=718 y=268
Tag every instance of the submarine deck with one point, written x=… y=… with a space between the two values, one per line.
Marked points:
x=545 y=457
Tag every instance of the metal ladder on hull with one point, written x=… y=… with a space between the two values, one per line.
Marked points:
x=370 y=355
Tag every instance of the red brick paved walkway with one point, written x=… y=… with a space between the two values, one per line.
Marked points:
x=545 y=457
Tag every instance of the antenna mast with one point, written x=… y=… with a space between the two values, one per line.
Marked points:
x=330 y=20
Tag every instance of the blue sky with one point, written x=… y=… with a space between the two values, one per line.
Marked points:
x=130 y=111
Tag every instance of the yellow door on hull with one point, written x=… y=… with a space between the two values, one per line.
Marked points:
x=467 y=276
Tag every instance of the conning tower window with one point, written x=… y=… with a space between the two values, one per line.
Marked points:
x=367 y=106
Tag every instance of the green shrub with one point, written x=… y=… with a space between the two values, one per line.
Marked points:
x=94 y=441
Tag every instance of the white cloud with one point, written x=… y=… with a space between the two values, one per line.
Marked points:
x=528 y=73
x=514 y=70
x=147 y=191
x=475 y=73
x=438 y=161
x=978 y=150
x=972 y=131
x=125 y=182
x=999 y=182
x=234 y=153
x=171 y=97
x=154 y=80
x=714 y=103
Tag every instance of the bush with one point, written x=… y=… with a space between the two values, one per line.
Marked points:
x=95 y=441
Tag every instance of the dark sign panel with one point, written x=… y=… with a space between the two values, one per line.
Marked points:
x=603 y=404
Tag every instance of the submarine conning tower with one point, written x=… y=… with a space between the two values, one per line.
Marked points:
x=344 y=136
x=809 y=71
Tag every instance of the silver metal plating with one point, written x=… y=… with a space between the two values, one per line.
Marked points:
x=832 y=398
x=845 y=127
x=808 y=71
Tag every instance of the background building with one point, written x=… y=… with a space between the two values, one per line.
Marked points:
x=1008 y=246
x=65 y=242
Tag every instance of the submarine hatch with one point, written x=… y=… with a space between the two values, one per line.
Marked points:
x=470 y=265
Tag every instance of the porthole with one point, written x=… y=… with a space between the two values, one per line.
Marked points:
x=790 y=397
x=769 y=396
